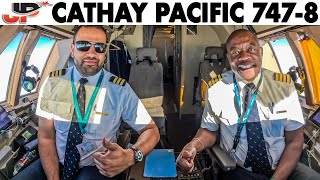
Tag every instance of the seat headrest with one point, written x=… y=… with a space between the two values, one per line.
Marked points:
x=147 y=54
x=214 y=53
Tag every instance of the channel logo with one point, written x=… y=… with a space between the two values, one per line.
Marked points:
x=23 y=11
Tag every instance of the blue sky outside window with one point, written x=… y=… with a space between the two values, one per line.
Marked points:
x=284 y=54
x=6 y=62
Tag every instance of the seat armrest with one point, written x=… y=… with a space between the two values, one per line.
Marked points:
x=221 y=157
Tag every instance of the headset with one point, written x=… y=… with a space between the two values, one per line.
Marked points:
x=295 y=74
x=29 y=83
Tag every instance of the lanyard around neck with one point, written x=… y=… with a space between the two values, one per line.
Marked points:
x=83 y=121
x=242 y=119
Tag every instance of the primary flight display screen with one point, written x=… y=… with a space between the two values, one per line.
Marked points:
x=315 y=117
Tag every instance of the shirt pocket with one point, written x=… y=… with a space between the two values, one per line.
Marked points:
x=102 y=122
x=61 y=110
x=273 y=123
x=228 y=128
x=229 y=118
x=274 y=127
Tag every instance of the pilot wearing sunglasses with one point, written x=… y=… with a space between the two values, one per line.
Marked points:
x=80 y=110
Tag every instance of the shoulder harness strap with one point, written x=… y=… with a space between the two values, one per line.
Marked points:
x=57 y=73
x=282 y=77
x=117 y=80
x=215 y=80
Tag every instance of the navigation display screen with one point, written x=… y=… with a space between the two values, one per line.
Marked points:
x=5 y=121
x=315 y=117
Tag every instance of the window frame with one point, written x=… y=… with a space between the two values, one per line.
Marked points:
x=273 y=53
x=41 y=73
x=276 y=57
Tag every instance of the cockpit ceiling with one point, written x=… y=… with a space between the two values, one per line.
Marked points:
x=67 y=30
x=164 y=31
x=161 y=31
x=258 y=28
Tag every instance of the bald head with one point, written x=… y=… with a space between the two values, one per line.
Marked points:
x=244 y=54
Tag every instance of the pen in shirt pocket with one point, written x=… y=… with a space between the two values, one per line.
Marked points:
x=99 y=113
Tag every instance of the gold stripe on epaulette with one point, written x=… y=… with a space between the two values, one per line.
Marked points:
x=215 y=80
x=282 y=77
x=57 y=73
x=288 y=78
x=219 y=77
x=122 y=81
x=117 y=80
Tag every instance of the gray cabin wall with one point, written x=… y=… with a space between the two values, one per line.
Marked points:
x=164 y=47
x=133 y=41
x=193 y=47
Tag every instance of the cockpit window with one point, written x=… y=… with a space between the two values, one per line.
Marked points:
x=38 y=60
x=6 y=61
x=284 y=54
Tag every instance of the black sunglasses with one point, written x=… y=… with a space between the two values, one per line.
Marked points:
x=85 y=46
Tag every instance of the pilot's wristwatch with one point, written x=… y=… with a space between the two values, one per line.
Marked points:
x=138 y=155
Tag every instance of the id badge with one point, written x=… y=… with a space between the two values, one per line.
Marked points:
x=86 y=148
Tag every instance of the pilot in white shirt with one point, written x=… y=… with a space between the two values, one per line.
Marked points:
x=278 y=108
x=257 y=115
x=80 y=110
x=113 y=102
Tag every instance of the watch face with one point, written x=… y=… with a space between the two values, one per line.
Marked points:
x=138 y=156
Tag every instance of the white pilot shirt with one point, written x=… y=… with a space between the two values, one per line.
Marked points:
x=278 y=107
x=112 y=103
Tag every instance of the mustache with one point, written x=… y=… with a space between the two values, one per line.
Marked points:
x=244 y=63
x=89 y=58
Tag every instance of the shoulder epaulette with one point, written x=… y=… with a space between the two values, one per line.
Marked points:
x=282 y=77
x=57 y=73
x=214 y=80
x=118 y=80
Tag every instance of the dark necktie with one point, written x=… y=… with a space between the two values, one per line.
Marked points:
x=257 y=157
x=72 y=156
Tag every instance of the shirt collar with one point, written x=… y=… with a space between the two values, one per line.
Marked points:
x=92 y=80
x=242 y=82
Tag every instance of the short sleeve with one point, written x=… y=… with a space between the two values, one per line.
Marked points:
x=134 y=113
x=295 y=116
x=41 y=99
x=209 y=119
